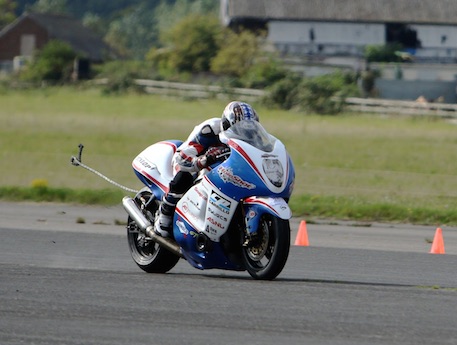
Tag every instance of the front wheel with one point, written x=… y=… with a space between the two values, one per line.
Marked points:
x=266 y=254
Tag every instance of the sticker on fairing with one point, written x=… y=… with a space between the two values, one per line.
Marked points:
x=220 y=202
x=227 y=176
x=182 y=228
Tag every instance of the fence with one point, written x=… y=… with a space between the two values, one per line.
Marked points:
x=373 y=105
x=401 y=107
x=196 y=90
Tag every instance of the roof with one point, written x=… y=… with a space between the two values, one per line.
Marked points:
x=69 y=30
x=385 y=11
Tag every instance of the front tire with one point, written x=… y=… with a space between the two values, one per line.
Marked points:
x=147 y=254
x=265 y=255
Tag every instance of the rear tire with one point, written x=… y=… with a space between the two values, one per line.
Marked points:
x=147 y=254
x=266 y=255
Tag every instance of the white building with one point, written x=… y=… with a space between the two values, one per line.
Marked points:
x=426 y=29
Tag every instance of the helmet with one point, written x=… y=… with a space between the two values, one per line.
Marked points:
x=237 y=111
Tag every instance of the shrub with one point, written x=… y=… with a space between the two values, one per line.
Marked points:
x=122 y=74
x=382 y=53
x=324 y=94
x=264 y=72
x=135 y=68
x=283 y=93
x=54 y=62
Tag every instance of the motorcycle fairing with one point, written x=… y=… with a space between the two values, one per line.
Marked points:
x=213 y=256
x=152 y=166
x=203 y=216
x=206 y=210
x=216 y=258
x=244 y=174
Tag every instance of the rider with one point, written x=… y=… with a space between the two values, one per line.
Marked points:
x=201 y=149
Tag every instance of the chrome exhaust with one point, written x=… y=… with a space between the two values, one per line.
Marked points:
x=147 y=228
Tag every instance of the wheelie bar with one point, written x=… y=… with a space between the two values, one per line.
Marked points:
x=145 y=225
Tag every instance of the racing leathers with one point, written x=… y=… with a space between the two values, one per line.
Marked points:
x=201 y=149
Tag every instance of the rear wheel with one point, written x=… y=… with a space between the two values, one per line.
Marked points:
x=266 y=254
x=147 y=254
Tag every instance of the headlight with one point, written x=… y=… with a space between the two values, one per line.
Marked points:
x=274 y=171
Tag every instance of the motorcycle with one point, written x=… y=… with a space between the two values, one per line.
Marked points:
x=234 y=217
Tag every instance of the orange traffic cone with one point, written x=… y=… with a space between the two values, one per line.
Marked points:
x=438 y=243
x=302 y=235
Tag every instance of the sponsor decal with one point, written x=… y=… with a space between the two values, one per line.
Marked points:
x=144 y=163
x=182 y=228
x=200 y=194
x=196 y=204
x=268 y=155
x=211 y=230
x=217 y=215
x=220 y=202
x=215 y=222
x=227 y=175
x=188 y=207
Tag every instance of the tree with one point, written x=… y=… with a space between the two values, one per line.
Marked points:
x=237 y=55
x=95 y=23
x=134 y=33
x=105 y=9
x=50 y=6
x=193 y=43
x=169 y=13
x=7 y=15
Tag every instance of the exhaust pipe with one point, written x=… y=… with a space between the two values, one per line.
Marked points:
x=145 y=226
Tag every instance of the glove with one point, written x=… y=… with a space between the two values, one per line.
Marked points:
x=213 y=155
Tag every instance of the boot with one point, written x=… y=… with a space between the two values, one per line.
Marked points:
x=163 y=224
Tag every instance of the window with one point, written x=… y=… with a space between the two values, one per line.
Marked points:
x=27 y=45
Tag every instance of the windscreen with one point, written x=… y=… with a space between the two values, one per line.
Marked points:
x=253 y=133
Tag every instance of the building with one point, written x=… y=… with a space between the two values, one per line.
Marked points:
x=426 y=29
x=31 y=31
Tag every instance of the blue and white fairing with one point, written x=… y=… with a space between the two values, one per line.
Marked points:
x=258 y=173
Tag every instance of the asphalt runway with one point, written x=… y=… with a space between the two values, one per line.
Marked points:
x=66 y=277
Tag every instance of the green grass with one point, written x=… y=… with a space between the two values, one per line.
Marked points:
x=66 y=195
x=352 y=166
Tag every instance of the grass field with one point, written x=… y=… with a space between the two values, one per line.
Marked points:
x=349 y=166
